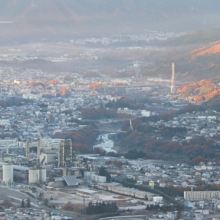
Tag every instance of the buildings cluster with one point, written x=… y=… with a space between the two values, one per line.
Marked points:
x=198 y=124
x=33 y=109
x=119 y=39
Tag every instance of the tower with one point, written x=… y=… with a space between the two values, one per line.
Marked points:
x=27 y=150
x=65 y=153
x=173 y=88
x=131 y=126
x=137 y=70
x=38 y=150
x=7 y=148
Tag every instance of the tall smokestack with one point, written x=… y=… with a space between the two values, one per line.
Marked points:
x=173 y=88
x=38 y=150
x=6 y=147
x=27 y=150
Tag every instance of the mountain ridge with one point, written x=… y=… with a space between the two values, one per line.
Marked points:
x=70 y=18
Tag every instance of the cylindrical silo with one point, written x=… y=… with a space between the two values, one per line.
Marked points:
x=8 y=174
x=43 y=175
x=34 y=176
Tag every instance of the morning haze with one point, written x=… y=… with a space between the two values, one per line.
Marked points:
x=109 y=109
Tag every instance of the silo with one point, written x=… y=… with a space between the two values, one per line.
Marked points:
x=34 y=176
x=8 y=174
x=43 y=175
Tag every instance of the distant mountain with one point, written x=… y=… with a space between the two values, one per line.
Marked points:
x=34 y=19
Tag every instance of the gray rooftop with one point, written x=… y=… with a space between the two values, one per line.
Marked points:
x=71 y=180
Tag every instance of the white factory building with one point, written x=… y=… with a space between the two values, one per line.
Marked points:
x=10 y=173
x=201 y=195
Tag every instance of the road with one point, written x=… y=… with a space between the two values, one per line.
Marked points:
x=5 y=192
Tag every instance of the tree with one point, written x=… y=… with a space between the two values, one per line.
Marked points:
x=7 y=204
x=100 y=208
x=46 y=202
x=22 y=203
x=179 y=215
x=28 y=203
x=68 y=206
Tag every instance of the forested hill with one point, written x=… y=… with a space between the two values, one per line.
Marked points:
x=65 y=18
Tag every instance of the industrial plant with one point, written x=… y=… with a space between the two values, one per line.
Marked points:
x=47 y=165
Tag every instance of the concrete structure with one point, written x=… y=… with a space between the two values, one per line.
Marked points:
x=48 y=157
x=8 y=175
x=37 y=175
x=201 y=195
x=34 y=176
x=87 y=174
x=173 y=87
x=27 y=150
x=43 y=175
x=38 y=150
x=65 y=153
x=6 y=147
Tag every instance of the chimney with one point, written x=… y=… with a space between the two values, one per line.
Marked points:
x=38 y=149
x=6 y=147
x=27 y=150
x=173 y=88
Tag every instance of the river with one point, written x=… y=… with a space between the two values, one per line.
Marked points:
x=106 y=144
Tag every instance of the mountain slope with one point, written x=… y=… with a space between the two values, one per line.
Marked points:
x=52 y=18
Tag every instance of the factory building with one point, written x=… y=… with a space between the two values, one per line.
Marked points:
x=48 y=157
x=201 y=195
x=117 y=188
x=65 y=153
x=11 y=173
x=91 y=175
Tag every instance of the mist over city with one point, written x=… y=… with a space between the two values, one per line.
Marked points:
x=109 y=109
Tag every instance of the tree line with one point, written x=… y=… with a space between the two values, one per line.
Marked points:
x=101 y=207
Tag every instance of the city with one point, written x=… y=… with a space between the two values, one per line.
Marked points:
x=109 y=110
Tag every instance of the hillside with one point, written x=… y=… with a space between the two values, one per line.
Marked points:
x=194 y=37
x=34 y=19
x=196 y=56
x=201 y=91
